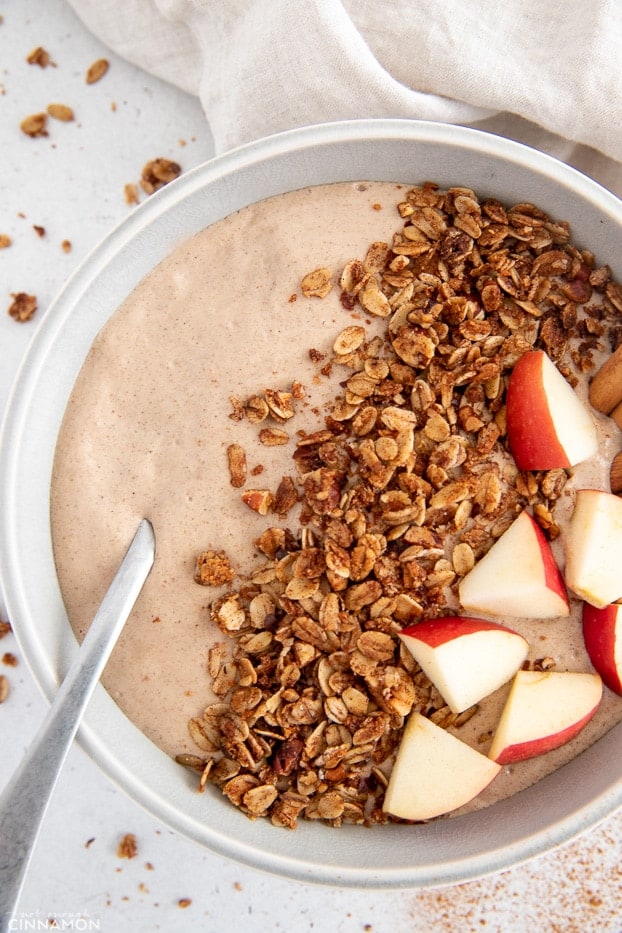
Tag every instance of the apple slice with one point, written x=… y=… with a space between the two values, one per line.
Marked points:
x=517 y=577
x=434 y=772
x=547 y=424
x=602 y=634
x=544 y=709
x=466 y=659
x=593 y=547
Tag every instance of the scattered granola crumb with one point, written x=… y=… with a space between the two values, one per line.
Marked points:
x=236 y=459
x=97 y=70
x=131 y=194
x=259 y=500
x=184 y=902
x=10 y=659
x=39 y=56
x=39 y=230
x=127 y=847
x=5 y=241
x=113 y=106
x=23 y=306
x=60 y=112
x=4 y=688
x=238 y=885
x=213 y=569
x=5 y=629
x=149 y=866
x=89 y=842
x=34 y=125
x=157 y=173
x=66 y=246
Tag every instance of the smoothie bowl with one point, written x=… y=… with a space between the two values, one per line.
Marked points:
x=297 y=362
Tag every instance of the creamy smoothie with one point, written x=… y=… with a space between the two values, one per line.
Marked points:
x=153 y=413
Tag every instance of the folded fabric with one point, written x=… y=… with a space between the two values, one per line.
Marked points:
x=260 y=66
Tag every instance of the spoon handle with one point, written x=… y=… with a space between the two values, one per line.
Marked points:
x=24 y=801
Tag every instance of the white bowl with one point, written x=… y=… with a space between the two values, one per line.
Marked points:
x=564 y=804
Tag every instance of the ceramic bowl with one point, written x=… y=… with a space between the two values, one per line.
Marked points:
x=553 y=811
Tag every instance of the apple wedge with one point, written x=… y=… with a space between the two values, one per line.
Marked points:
x=593 y=547
x=434 y=772
x=466 y=659
x=544 y=709
x=602 y=634
x=517 y=577
x=547 y=425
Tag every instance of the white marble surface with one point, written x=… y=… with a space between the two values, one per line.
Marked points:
x=71 y=183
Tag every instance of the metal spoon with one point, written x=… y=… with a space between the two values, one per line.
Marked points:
x=24 y=801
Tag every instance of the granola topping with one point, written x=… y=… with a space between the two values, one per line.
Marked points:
x=350 y=464
x=405 y=486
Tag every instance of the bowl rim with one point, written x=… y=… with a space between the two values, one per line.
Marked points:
x=31 y=407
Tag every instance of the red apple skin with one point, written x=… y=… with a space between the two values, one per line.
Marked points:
x=599 y=635
x=532 y=438
x=552 y=573
x=524 y=750
x=435 y=632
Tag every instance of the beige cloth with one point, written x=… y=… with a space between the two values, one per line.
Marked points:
x=546 y=73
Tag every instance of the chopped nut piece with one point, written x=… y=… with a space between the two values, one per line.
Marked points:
x=23 y=306
x=5 y=241
x=259 y=500
x=4 y=688
x=66 y=246
x=97 y=70
x=5 y=628
x=34 y=125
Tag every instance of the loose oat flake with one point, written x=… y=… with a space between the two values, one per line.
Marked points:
x=60 y=112
x=97 y=70
x=402 y=488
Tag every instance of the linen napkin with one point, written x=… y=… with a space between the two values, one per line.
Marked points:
x=546 y=73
